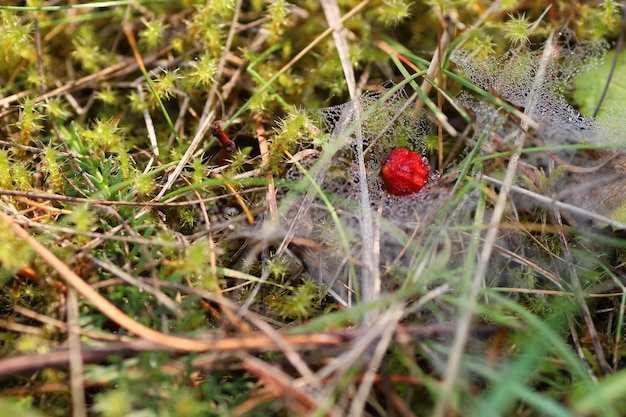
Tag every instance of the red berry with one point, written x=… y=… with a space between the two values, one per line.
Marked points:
x=405 y=172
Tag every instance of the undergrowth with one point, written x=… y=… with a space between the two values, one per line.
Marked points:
x=194 y=221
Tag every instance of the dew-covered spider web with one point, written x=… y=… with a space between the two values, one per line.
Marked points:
x=571 y=162
x=514 y=77
x=370 y=127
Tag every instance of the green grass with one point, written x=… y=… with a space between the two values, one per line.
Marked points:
x=281 y=279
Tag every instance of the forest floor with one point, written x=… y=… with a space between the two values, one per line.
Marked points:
x=374 y=208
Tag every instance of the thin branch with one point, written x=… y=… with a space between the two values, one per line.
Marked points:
x=77 y=383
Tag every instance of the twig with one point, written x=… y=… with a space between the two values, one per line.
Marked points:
x=31 y=194
x=241 y=203
x=551 y=202
x=62 y=326
x=313 y=341
x=301 y=401
x=370 y=274
x=42 y=79
x=149 y=123
x=77 y=383
x=96 y=235
x=450 y=24
x=333 y=16
x=270 y=195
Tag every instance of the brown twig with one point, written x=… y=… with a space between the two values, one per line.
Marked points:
x=300 y=401
x=77 y=383
x=38 y=47
x=341 y=339
x=270 y=196
x=241 y=202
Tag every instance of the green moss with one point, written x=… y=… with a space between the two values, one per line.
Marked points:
x=152 y=35
x=5 y=169
x=14 y=253
x=291 y=130
x=299 y=304
x=16 y=42
x=104 y=135
x=29 y=122
x=202 y=74
x=393 y=12
x=165 y=84
x=52 y=167
x=87 y=51
x=517 y=29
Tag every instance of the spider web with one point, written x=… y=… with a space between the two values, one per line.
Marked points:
x=393 y=124
x=372 y=125
x=592 y=178
x=513 y=75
